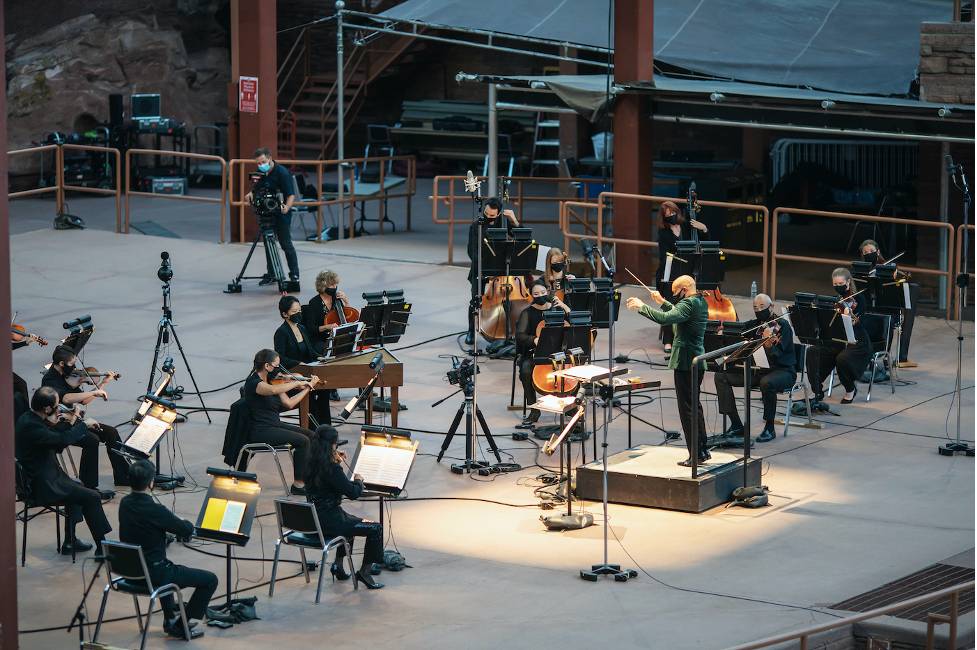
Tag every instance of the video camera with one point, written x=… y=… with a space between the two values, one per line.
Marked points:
x=461 y=373
x=265 y=202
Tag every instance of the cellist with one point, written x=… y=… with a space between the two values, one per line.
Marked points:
x=319 y=306
x=526 y=339
x=495 y=217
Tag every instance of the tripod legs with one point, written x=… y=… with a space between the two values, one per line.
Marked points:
x=452 y=430
x=186 y=363
x=465 y=411
x=270 y=241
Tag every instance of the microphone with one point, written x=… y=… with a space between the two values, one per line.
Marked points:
x=377 y=362
x=473 y=185
x=588 y=252
x=78 y=321
x=951 y=168
x=165 y=403
x=168 y=365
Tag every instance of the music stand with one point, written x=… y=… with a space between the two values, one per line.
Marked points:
x=77 y=337
x=384 y=459
x=227 y=513
x=145 y=438
x=384 y=322
x=342 y=340
x=891 y=296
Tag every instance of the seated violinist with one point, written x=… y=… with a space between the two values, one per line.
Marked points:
x=327 y=293
x=66 y=380
x=555 y=274
x=527 y=335
x=295 y=346
x=870 y=252
x=850 y=359
x=266 y=399
x=780 y=376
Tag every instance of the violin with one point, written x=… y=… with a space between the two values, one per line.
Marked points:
x=19 y=333
x=91 y=375
x=341 y=313
x=846 y=306
x=720 y=307
x=65 y=413
x=285 y=377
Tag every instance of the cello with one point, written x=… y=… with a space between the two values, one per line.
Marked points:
x=720 y=307
x=505 y=297
x=544 y=379
x=341 y=313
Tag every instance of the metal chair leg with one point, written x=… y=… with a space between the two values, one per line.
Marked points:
x=135 y=602
x=149 y=616
x=352 y=569
x=305 y=565
x=831 y=382
x=871 y=381
x=790 y=404
x=101 y=612
x=23 y=543
x=322 y=570
x=274 y=568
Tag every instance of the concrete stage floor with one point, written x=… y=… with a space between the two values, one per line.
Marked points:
x=863 y=501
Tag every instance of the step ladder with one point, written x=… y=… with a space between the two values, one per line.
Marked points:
x=546 y=143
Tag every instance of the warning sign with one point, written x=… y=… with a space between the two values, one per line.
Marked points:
x=248 y=95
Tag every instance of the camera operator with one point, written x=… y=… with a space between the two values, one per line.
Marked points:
x=277 y=179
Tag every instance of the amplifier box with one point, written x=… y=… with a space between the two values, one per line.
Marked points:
x=168 y=184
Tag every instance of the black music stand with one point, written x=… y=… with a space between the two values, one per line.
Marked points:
x=78 y=337
x=384 y=459
x=596 y=296
x=555 y=340
x=227 y=514
x=384 y=322
x=342 y=340
x=505 y=255
x=891 y=295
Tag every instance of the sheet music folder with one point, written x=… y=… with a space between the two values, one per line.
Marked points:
x=384 y=459
x=228 y=511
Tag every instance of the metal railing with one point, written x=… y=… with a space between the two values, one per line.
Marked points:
x=952 y=593
x=116 y=191
x=345 y=198
x=58 y=175
x=962 y=266
x=845 y=216
x=601 y=239
x=222 y=201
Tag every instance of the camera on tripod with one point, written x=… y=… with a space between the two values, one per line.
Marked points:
x=267 y=206
x=462 y=372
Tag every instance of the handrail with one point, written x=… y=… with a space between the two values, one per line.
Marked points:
x=962 y=264
x=117 y=190
x=948 y=273
x=803 y=634
x=179 y=154
x=58 y=175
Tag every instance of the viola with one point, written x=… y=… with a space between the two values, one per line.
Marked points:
x=19 y=333
x=494 y=322
x=91 y=375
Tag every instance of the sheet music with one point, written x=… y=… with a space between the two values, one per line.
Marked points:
x=668 y=268
x=385 y=466
x=849 y=330
x=760 y=358
x=224 y=515
x=147 y=434
x=541 y=254
x=905 y=295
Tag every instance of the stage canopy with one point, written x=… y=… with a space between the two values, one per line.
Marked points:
x=866 y=47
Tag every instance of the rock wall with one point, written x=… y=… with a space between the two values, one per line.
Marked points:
x=60 y=78
x=946 y=63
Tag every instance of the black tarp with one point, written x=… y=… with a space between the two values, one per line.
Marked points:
x=851 y=46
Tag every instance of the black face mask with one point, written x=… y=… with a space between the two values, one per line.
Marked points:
x=671 y=219
x=680 y=296
x=296 y=317
x=274 y=372
x=69 y=368
x=872 y=257
x=331 y=291
x=540 y=300
x=841 y=289
x=558 y=267
x=763 y=315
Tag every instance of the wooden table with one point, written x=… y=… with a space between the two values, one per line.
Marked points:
x=353 y=371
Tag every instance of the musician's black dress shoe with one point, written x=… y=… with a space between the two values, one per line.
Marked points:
x=297 y=491
x=174 y=628
x=734 y=431
x=77 y=546
x=702 y=458
x=266 y=280
x=368 y=580
x=106 y=495
x=853 y=395
x=338 y=572
x=767 y=434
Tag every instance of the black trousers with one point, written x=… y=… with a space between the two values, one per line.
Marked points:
x=908 y=319
x=687 y=410
x=319 y=406
x=88 y=466
x=109 y=436
x=22 y=398
x=283 y=231
x=771 y=382
x=371 y=531
x=85 y=503
x=850 y=362
x=204 y=583
x=282 y=434
x=526 y=377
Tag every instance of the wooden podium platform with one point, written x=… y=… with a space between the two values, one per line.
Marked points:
x=353 y=371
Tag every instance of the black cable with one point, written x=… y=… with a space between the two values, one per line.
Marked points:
x=436 y=338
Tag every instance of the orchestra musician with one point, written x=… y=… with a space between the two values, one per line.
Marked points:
x=688 y=319
x=39 y=435
x=326 y=485
x=266 y=399
x=21 y=392
x=852 y=359
x=495 y=217
x=527 y=327
x=870 y=252
x=62 y=371
x=556 y=270
x=327 y=292
x=672 y=227
x=295 y=346
x=779 y=348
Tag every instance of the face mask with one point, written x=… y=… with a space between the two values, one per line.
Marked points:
x=540 y=300
x=296 y=317
x=69 y=368
x=274 y=372
x=264 y=168
x=763 y=315
x=842 y=289
x=872 y=257
x=671 y=219
x=557 y=267
x=680 y=296
x=331 y=291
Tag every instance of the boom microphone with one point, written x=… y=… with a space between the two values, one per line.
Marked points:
x=377 y=361
x=951 y=168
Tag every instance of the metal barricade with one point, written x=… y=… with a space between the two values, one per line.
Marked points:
x=222 y=201
x=117 y=190
x=962 y=265
x=58 y=169
x=775 y=256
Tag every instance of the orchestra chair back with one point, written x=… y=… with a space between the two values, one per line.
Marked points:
x=879 y=328
x=801 y=351
x=298 y=525
x=22 y=490
x=128 y=574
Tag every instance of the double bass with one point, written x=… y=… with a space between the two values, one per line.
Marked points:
x=497 y=319
x=720 y=307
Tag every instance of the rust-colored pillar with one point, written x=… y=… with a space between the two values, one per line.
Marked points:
x=8 y=546
x=253 y=54
x=572 y=127
x=633 y=61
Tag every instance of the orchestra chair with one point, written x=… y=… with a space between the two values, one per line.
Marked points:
x=801 y=383
x=128 y=574
x=23 y=495
x=251 y=449
x=879 y=328
x=298 y=525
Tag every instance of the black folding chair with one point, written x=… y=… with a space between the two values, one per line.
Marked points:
x=128 y=574
x=298 y=525
x=22 y=489
x=879 y=328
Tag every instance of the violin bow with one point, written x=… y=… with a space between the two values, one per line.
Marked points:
x=637 y=280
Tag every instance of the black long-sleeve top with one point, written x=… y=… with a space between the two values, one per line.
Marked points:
x=314 y=315
x=781 y=355
x=326 y=492
x=526 y=326
x=145 y=522
x=291 y=351
x=36 y=444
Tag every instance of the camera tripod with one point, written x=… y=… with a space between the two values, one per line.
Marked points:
x=266 y=234
x=469 y=411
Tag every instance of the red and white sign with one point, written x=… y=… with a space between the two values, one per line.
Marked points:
x=247 y=101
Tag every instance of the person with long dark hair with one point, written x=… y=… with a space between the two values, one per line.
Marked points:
x=672 y=227
x=266 y=399
x=326 y=484
x=295 y=345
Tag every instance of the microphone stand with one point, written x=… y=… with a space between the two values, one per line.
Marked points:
x=79 y=616
x=606 y=568
x=957 y=446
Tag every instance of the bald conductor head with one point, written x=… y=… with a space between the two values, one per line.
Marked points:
x=682 y=287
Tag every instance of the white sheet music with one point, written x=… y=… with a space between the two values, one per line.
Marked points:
x=905 y=295
x=385 y=466
x=668 y=268
x=541 y=254
x=147 y=434
x=849 y=330
x=760 y=358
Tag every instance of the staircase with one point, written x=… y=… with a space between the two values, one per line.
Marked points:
x=311 y=104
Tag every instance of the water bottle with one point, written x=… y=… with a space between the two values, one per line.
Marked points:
x=753 y=290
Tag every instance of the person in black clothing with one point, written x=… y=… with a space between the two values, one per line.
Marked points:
x=853 y=358
x=871 y=252
x=492 y=211
x=294 y=345
x=266 y=400
x=278 y=179
x=326 y=485
x=771 y=381
x=144 y=522
x=673 y=227
x=40 y=434
x=526 y=326
x=62 y=365
x=327 y=293
x=22 y=396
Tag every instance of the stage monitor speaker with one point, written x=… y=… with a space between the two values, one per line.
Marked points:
x=116 y=109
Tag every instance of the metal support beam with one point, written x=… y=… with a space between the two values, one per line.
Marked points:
x=340 y=86
x=493 y=140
